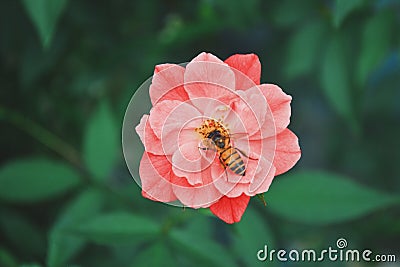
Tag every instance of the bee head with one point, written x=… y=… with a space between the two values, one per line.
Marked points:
x=219 y=143
x=217 y=138
x=214 y=135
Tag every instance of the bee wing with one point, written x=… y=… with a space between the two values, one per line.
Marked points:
x=207 y=144
x=208 y=150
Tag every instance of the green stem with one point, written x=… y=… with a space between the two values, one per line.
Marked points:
x=59 y=146
x=41 y=134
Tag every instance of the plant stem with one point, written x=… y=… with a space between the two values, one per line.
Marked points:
x=58 y=145
x=41 y=134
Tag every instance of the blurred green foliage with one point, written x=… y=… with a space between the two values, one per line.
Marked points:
x=69 y=69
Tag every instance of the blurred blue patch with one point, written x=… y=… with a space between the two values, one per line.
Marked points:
x=387 y=3
x=390 y=66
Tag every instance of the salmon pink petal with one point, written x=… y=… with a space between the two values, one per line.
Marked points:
x=258 y=148
x=251 y=107
x=287 y=151
x=193 y=178
x=247 y=69
x=213 y=108
x=155 y=174
x=238 y=190
x=150 y=141
x=279 y=103
x=223 y=181
x=248 y=147
x=230 y=210
x=263 y=179
x=171 y=141
x=208 y=76
x=196 y=196
x=167 y=84
x=159 y=113
x=188 y=162
x=170 y=116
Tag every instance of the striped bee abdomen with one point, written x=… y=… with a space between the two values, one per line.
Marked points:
x=231 y=159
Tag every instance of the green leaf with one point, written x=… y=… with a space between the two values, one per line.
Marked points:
x=62 y=246
x=323 y=198
x=343 y=8
x=239 y=13
x=200 y=224
x=22 y=233
x=36 y=62
x=252 y=234
x=7 y=259
x=35 y=179
x=101 y=142
x=376 y=40
x=288 y=12
x=157 y=254
x=44 y=15
x=201 y=246
x=116 y=228
x=335 y=79
x=206 y=212
x=303 y=50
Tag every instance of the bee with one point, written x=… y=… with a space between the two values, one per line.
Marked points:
x=215 y=133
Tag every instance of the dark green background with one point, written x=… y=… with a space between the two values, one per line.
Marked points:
x=69 y=69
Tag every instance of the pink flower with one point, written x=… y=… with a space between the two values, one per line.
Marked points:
x=181 y=160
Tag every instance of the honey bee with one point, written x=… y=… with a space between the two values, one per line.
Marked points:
x=218 y=139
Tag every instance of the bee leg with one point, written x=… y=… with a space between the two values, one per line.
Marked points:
x=244 y=154
x=222 y=163
x=207 y=148
x=223 y=166
x=226 y=173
